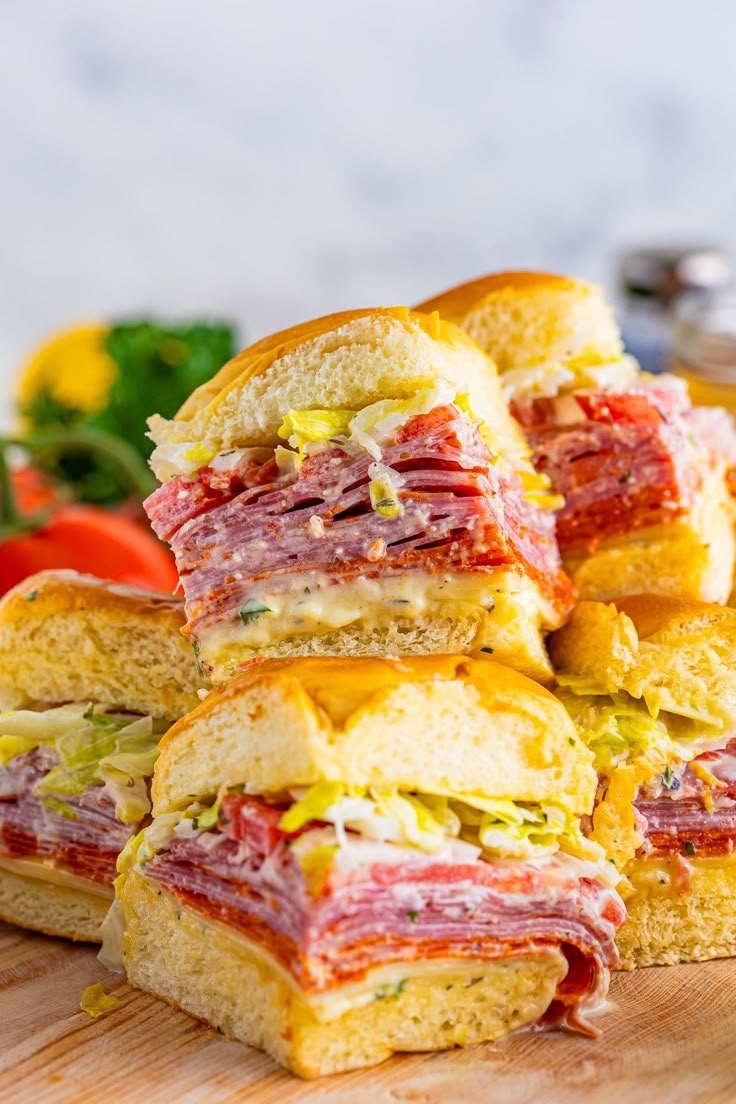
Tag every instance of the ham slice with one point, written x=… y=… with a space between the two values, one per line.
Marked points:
x=688 y=814
x=370 y=911
x=87 y=844
x=629 y=463
x=460 y=512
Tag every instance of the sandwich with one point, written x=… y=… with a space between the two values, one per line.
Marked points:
x=91 y=675
x=642 y=472
x=353 y=857
x=356 y=485
x=651 y=685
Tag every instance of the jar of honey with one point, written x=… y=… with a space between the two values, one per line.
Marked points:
x=704 y=349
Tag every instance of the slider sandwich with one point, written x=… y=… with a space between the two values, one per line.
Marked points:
x=351 y=858
x=642 y=472
x=651 y=685
x=356 y=485
x=91 y=675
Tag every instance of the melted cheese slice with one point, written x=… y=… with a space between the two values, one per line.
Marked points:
x=503 y=611
x=54 y=875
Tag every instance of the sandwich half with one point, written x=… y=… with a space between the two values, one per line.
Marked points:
x=651 y=685
x=357 y=485
x=91 y=675
x=351 y=858
x=642 y=472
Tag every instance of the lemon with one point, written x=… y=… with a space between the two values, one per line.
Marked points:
x=73 y=367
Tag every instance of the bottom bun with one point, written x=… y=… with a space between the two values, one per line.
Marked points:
x=68 y=906
x=228 y=981
x=666 y=926
x=691 y=557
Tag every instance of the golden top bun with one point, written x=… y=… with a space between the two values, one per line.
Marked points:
x=342 y=361
x=70 y=637
x=527 y=318
x=676 y=653
x=437 y=724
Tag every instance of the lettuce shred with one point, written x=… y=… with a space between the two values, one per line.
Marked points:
x=114 y=749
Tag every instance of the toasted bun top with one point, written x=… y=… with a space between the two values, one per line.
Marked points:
x=526 y=318
x=342 y=361
x=677 y=654
x=437 y=724
x=70 y=637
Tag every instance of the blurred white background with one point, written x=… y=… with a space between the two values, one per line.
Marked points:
x=272 y=161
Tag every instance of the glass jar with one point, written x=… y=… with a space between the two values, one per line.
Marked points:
x=704 y=349
x=652 y=282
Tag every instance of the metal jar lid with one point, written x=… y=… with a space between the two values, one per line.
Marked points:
x=664 y=274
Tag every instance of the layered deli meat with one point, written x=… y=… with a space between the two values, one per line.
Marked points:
x=336 y=882
x=74 y=786
x=690 y=809
x=624 y=461
x=385 y=496
x=683 y=772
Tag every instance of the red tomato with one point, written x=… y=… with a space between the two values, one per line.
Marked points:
x=34 y=490
x=90 y=539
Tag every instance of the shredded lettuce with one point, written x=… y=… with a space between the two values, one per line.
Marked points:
x=96 y=1002
x=549 y=379
x=377 y=424
x=503 y=828
x=12 y=746
x=183 y=459
x=616 y=729
x=317 y=801
x=384 y=490
x=93 y=747
x=303 y=427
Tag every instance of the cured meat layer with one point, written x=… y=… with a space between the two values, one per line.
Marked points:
x=457 y=513
x=86 y=841
x=369 y=910
x=626 y=464
x=687 y=813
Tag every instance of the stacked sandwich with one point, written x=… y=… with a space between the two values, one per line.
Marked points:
x=352 y=854
x=651 y=685
x=91 y=675
x=380 y=831
x=642 y=472
x=352 y=857
x=647 y=680
x=357 y=486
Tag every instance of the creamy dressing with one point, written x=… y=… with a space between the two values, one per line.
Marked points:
x=313 y=603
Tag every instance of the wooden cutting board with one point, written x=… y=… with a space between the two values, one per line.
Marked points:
x=669 y=1036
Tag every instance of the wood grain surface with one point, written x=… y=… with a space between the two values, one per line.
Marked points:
x=669 y=1037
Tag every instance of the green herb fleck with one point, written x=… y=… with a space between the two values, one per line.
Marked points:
x=390 y=989
x=196 y=649
x=571 y=741
x=252 y=610
x=307 y=590
x=689 y=847
x=412 y=916
x=31 y=596
x=669 y=781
